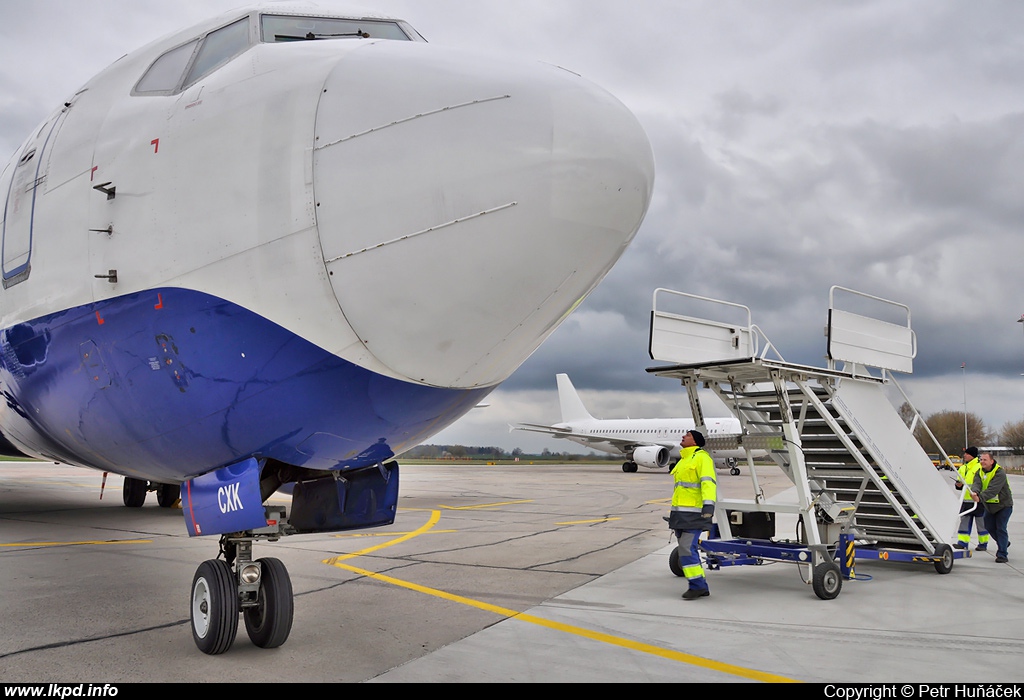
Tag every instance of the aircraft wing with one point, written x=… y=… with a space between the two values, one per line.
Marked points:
x=604 y=442
x=551 y=430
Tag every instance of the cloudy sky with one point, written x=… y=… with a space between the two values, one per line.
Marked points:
x=877 y=145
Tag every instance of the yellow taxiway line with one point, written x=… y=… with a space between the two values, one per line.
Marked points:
x=485 y=505
x=614 y=640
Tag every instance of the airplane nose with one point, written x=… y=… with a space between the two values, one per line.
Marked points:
x=469 y=203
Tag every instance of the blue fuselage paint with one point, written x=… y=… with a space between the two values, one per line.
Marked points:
x=169 y=383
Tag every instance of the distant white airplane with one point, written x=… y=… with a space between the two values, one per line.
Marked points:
x=652 y=443
x=283 y=246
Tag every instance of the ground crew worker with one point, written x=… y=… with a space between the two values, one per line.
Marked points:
x=992 y=488
x=693 y=505
x=970 y=512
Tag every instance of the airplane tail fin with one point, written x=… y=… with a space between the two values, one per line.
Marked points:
x=570 y=402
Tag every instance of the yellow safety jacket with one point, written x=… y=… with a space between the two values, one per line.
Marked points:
x=695 y=488
x=967 y=472
x=986 y=479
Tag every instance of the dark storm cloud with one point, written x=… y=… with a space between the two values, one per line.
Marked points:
x=875 y=145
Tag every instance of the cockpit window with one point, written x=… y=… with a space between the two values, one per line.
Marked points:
x=279 y=28
x=218 y=48
x=199 y=57
x=186 y=64
x=165 y=73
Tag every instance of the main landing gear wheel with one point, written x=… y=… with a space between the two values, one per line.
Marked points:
x=269 y=622
x=827 y=581
x=214 y=609
x=945 y=563
x=629 y=467
x=673 y=562
x=134 y=492
x=167 y=495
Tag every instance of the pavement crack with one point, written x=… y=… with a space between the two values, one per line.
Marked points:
x=98 y=638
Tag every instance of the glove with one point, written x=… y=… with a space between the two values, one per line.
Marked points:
x=707 y=511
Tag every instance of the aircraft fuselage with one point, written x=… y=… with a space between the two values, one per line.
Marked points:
x=317 y=252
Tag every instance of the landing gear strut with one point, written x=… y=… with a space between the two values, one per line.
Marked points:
x=734 y=470
x=260 y=589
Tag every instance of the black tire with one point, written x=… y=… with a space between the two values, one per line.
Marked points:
x=214 y=607
x=270 y=622
x=945 y=563
x=629 y=467
x=673 y=562
x=827 y=581
x=134 y=492
x=167 y=495
x=735 y=471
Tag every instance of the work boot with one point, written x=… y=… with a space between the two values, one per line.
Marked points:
x=999 y=560
x=981 y=548
x=960 y=545
x=695 y=593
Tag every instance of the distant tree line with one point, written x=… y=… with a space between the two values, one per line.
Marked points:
x=492 y=453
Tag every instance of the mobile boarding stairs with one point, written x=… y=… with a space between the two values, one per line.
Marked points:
x=864 y=486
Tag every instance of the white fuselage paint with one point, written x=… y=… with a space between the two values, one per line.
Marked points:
x=426 y=214
x=665 y=432
x=293 y=154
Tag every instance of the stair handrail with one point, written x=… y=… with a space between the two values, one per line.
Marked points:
x=758 y=334
x=888 y=376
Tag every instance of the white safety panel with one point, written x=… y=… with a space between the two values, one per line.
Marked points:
x=868 y=341
x=868 y=412
x=685 y=340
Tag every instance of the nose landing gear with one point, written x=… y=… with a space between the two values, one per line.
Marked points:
x=260 y=590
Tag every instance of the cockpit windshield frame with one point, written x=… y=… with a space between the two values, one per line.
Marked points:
x=191 y=61
x=276 y=28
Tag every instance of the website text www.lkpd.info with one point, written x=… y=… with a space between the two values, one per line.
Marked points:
x=61 y=690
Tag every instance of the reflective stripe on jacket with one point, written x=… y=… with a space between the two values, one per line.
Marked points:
x=967 y=472
x=695 y=484
x=995 y=489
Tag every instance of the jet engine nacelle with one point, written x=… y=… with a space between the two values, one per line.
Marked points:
x=652 y=457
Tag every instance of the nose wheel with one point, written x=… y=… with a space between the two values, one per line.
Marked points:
x=269 y=621
x=261 y=590
x=214 y=607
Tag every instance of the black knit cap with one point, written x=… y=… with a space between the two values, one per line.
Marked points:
x=972 y=451
x=698 y=437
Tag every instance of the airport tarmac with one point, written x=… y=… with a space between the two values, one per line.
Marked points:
x=489 y=573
